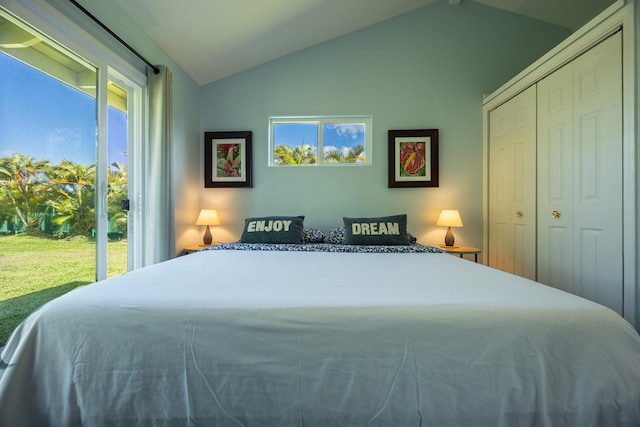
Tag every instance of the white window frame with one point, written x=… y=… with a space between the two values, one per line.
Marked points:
x=320 y=121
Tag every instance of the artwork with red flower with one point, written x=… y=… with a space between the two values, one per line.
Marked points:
x=412 y=159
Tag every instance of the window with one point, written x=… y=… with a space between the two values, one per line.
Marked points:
x=320 y=141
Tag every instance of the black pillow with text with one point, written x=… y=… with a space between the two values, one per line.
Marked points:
x=273 y=229
x=387 y=230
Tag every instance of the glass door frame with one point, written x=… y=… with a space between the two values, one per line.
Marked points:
x=136 y=113
x=68 y=35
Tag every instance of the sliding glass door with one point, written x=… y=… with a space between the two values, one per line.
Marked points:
x=65 y=134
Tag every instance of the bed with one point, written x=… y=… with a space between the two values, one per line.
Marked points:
x=320 y=335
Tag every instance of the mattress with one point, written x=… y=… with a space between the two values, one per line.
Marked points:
x=319 y=337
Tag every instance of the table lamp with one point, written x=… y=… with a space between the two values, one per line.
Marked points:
x=449 y=218
x=208 y=217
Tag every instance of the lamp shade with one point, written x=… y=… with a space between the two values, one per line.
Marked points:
x=208 y=217
x=449 y=218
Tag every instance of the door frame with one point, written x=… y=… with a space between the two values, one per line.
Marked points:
x=136 y=135
x=110 y=66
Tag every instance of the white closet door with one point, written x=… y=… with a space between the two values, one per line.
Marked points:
x=512 y=138
x=555 y=179
x=598 y=173
x=580 y=176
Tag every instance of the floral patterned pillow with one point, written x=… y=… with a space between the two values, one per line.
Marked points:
x=336 y=236
x=312 y=235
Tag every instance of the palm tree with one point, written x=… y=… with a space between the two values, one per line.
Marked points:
x=117 y=179
x=74 y=187
x=353 y=155
x=303 y=154
x=24 y=182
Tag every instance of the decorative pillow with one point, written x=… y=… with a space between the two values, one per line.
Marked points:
x=273 y=229
x=312 y=235
x=388 y=230
x=336 y=237
x=412 y=239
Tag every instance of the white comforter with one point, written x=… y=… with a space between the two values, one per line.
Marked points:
x=233 y=338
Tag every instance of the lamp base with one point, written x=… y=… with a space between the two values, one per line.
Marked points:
x=207 y=238
x=448 y=238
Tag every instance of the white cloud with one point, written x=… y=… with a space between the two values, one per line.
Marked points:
x=348 y=131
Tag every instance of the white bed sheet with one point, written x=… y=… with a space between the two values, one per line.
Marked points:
x=261 y=338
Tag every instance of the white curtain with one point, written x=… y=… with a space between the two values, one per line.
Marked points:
x=158 y=206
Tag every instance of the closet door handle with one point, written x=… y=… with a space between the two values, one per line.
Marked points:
x=555 y=214
x=519 y=214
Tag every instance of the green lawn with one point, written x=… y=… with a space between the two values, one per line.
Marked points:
x=36 y=269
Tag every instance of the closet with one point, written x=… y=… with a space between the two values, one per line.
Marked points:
x=555 y=202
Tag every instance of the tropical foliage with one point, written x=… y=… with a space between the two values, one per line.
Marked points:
x=117 y=179
x=35 y=191
x=303 y=154
x=72 y=196
x=355 y=154
x=23 y=181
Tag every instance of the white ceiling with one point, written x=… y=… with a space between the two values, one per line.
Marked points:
x=212 y=39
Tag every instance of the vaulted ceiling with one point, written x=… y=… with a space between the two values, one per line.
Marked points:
x=212 y=39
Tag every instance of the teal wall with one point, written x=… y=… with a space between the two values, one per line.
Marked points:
x=425 y=69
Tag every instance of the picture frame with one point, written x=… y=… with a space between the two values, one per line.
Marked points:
x=413 y=158
x=227 y=159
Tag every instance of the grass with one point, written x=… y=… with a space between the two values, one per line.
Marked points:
x=35 y=269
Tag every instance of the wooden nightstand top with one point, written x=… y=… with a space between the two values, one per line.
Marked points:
x=195 y=248
x=463 y=250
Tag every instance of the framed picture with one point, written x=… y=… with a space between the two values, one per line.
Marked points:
x=413 y=158
x=227 y=159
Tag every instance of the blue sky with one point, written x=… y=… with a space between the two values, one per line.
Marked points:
x=46 y=119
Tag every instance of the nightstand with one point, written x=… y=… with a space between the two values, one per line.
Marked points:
x=462 y=250
x=194 y=248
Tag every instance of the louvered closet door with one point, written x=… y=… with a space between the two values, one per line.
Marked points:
x=512 y=234
x=580 y=176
